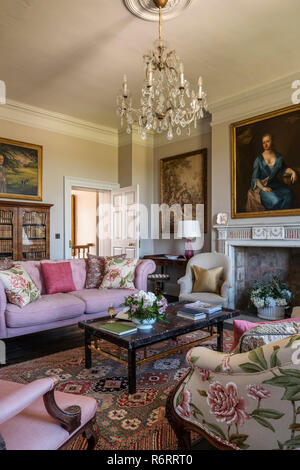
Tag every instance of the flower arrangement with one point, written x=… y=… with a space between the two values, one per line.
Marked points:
x=146 y=306
x=270 y=294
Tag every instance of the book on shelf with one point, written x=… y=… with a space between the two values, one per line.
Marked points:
x=38 y=218
x=187 y=316
x=6 y=217
x=205 y=307
x=118 y=328
x=5 y=246
x=5 y=231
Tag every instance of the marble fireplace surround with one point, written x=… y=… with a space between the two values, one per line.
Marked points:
x=230 y=237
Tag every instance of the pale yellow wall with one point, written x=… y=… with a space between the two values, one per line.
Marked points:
x=64 y=156
x=176 y=148
x=125 y=166
x=142 y=174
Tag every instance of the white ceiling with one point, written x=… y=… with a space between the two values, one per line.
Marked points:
x=69 y=56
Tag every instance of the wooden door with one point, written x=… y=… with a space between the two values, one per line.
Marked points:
x=125 y=222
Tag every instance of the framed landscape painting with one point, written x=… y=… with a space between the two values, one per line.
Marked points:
x=20 y=170
x=266 y=165
x=183 y=180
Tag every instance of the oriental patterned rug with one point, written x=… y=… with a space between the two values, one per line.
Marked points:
x=126 y=422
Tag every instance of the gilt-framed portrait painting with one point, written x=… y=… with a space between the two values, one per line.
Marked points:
x=20 y=170
x=266 y=165
x=183 y=180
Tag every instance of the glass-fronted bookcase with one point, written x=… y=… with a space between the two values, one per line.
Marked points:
x=24 y=231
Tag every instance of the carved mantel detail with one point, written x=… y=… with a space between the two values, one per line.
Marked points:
x=279 y=234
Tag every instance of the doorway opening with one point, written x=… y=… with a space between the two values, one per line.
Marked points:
x=86 y=226
x=101 y=217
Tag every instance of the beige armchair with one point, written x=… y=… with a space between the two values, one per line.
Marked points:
x=206 y=261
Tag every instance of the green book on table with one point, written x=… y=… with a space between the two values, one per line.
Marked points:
x=118 y=328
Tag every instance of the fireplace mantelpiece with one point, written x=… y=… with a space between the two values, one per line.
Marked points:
x=230 y=237
x=272 y=235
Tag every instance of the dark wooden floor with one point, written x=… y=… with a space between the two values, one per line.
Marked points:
x=26 y=348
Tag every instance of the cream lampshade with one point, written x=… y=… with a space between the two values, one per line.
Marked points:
x=189 y=229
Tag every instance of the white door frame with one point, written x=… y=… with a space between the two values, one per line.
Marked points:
x=70 y=183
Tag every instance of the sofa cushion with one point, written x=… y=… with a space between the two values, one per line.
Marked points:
x=58 y=277
x=19 y=287
x=99 y=300
x=203 y=296
x=119 y=273
x=45 y=433
x=96 y=267
x=78 y=267
x=46 y=309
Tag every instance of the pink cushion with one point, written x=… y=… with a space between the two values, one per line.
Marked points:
x=241 y=326
x=58 y=277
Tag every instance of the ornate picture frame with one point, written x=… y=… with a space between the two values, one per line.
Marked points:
x=183 y=180
x=20 y=170
x=264 y=186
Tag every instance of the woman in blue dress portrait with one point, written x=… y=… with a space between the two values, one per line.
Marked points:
x=268 y=191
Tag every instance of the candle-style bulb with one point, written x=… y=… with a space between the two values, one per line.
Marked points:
x=200 y=83
x=125 y=88
x=181 y=70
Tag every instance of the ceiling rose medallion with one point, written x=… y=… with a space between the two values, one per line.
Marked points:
x=167 y=101
x=148 y=10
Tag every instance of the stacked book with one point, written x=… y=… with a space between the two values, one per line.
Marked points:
x=118 y=328
x=198 y=310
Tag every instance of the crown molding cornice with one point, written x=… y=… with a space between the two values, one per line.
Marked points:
x=258 y=100
x=135 y=139
x=32 y=116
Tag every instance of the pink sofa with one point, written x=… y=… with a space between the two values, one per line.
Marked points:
x=53 y=311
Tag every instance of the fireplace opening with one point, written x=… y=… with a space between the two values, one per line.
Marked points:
x=260 y=264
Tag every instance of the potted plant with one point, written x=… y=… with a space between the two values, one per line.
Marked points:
x=145 y=308
x=270 y=298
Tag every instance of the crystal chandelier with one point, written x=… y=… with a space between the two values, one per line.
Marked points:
x=167 y=103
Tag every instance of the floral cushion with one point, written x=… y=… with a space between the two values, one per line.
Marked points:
x=241 y=326
x=96 y=266
x=267 y=333
x=119 y=274
x=244 y=401
x=20 y=289
x=6 y=264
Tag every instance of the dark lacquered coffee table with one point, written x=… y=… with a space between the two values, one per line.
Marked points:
x=175 y=327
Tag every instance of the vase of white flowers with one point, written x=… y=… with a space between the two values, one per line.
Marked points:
x=270 y=298
x=145 y=308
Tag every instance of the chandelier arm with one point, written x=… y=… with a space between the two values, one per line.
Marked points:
x=160 y=25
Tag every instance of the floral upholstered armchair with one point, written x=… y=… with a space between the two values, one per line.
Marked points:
x=240 y=401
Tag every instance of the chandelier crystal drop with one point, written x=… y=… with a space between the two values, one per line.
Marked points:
x=167 y=102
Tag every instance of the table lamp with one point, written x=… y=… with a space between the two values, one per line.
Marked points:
x=189 y=229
